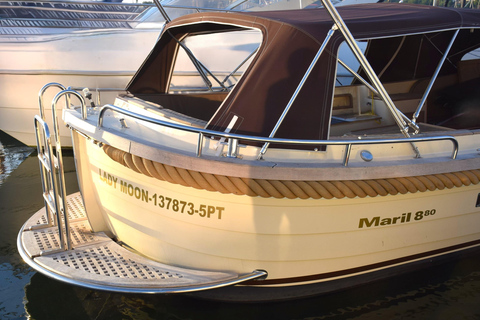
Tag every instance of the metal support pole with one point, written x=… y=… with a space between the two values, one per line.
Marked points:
x=397 y=115
x=162 y=11
x=299 y=87
x=434 y=77
x=58 y=148
x=356 y=75
x=365 y=64
x=199 y=145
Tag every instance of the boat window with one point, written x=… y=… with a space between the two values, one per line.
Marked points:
x=345 y=54
x=472 y=55
x=213 y=62
x=353 y=102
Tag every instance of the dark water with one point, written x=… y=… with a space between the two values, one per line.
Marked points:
x=451 y=291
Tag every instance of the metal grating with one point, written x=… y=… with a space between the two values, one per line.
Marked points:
x=75 y=207
x=75 y=211
x=45 y=239
x=81 y=233
x=42 y=219
x=48 y=239
x=98 y=262
x=102 y=260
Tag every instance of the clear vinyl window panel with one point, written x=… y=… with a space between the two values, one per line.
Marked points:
x=214 y=62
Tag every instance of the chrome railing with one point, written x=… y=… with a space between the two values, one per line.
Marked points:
x=51 y=165
x=51 y=173
x=233 y=139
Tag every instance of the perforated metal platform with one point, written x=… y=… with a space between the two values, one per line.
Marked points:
x=98 y=262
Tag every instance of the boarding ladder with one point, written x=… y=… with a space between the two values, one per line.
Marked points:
x=51 y=168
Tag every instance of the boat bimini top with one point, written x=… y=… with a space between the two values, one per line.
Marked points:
x=405 y=42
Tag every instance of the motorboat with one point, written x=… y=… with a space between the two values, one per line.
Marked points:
x=268 y=178
x=94 y=44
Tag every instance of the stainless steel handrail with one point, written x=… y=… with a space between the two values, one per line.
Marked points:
x=51 y=193
x=42 y=92
x=59 y=158
x=205 y=132
x=51 y=165
x=47 y=165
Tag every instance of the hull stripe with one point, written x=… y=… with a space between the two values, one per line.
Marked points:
x=371 y=267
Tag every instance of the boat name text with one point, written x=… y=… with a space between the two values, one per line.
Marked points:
x=404 y=218
x=162 y=201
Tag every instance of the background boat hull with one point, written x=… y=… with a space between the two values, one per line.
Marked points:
x=88 y=59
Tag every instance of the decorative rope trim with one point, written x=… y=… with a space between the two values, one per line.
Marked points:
x=293 y=189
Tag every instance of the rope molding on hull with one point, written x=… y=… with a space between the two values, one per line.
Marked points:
x=292 y=189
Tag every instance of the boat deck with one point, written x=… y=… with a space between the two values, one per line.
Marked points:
x=98 y=262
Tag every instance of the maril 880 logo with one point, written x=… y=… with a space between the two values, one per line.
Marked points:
x=403 y=218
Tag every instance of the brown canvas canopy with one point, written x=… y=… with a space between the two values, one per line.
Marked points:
x=291 y=40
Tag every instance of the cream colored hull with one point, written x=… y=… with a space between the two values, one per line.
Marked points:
x=295 y=241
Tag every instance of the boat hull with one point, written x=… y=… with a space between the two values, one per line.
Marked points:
x=18 y=106
x=271 y=293
x=297 y=241
x=97 y=61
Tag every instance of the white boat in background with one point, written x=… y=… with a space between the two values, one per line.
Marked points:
x=90 y=44
x=101 y=44
x=268 y=178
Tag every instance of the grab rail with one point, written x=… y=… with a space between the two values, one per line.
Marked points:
x=232 y=136
x=42 y=92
